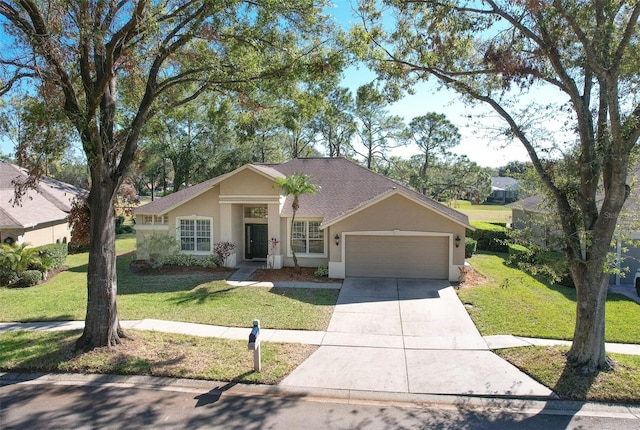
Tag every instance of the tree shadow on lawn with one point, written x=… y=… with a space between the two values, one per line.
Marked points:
x=573 y=384
x=313 y=296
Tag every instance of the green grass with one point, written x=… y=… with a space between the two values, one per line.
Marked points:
x=548 y=365
x=150 y=353
x=484 y=213
x=197 y=297
x=513 y=302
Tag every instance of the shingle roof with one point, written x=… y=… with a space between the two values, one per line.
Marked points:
x=535 y=204
x=51 y=201
x=504 y=183
x=344 y=187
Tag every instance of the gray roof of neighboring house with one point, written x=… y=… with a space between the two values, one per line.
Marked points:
x=504 y=183
x=344 y=186
x=50 y=201
x=536 y=204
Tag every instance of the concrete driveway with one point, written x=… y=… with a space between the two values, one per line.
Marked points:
x=407 y=336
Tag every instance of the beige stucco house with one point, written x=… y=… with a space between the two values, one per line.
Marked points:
x=359 y=223
x=41 y=216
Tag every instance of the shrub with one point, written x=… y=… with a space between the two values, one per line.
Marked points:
x=187 y=260
x=18 y=258
x=77 y=248
x=29 y=278
x=549 y=265
x=519 y=254
x=322 y=271
x=222 y=251
x=470 y=246
x=490 y=237
x=7 y=277
x=159 y=248
x=53 y=255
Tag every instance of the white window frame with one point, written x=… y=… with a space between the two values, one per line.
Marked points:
x=194 y=219
x=306 y=222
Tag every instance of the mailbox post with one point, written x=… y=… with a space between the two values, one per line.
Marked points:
x=254 y=345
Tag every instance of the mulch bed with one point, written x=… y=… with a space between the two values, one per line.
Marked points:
x=141 y=267
x=290 y=274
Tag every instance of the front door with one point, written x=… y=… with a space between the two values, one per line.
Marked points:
x=256 y=237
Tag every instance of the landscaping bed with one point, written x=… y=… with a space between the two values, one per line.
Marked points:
x=291 y=274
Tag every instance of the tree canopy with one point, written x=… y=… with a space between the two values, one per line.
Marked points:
x=111 y=66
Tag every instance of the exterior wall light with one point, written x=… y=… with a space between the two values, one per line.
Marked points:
x=458 y=241
x=337 y=239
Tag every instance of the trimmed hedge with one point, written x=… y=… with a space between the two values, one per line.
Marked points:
x=55 y=254
x=470 y=246
x=550 y=265
x=490 y=236
x=29 y=278
x=519 y=254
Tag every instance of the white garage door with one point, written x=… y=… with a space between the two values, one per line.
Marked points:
x=398 y=256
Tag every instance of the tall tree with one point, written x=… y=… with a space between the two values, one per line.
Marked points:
x=434 y=134
x=335 y=123
x=295 y=185
x=378 y=130
x=582 y=53
x=114 y=65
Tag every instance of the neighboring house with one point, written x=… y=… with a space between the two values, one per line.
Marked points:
x=531 y=213
x=359 y=223
x=503 y=190
x=40 y=217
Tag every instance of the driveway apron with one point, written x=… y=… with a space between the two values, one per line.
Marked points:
x=407 y=336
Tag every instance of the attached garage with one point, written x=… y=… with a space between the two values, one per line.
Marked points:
x=397 y=256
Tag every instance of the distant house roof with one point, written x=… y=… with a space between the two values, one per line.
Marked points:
x=504 y=183
x=49 y=202
x=345 y=187
x=533 y=204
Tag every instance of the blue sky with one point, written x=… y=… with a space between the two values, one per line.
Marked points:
x=428 y=98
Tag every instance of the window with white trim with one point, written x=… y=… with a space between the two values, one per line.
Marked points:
x=308 y=238
x=195 y=234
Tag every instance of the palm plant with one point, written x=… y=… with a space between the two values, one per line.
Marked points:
x=295 y=185
x=18 y=258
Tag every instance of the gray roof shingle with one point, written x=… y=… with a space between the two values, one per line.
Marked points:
x=344 y=186
x=50 y=201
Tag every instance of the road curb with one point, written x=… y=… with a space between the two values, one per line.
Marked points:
x=531 y=405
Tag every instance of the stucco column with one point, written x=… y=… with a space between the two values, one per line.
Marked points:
x=275 y=255
x=226 y=232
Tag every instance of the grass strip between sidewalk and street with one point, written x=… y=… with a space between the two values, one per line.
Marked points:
x=152 y=354
x=548 y=365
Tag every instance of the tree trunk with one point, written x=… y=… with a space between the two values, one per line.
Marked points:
x=588 y=348
x=293 y=253
x=102 y=327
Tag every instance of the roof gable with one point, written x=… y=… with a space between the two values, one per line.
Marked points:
x=50 y=201
x=165 y=204
x=346 y=187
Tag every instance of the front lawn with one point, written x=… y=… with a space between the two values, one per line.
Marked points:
x=199 y=297
x=513 y=302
